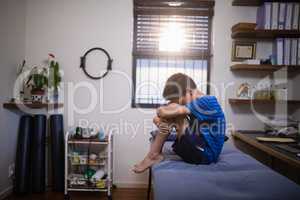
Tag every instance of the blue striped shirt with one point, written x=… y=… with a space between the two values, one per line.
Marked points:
x=211 y=125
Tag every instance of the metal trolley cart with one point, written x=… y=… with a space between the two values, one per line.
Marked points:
x=88 y=165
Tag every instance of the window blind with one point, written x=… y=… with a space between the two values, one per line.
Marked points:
x=150 y=29
x=167 y=40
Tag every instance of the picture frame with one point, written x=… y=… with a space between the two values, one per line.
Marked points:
x=243 y=50
x=244 y=91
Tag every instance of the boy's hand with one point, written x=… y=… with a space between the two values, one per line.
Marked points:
x=172 y=110
x=156 y=121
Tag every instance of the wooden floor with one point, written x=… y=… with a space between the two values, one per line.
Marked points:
x=118 y=194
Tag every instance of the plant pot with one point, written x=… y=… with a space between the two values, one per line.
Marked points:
x=55 y=96
x=37 y=95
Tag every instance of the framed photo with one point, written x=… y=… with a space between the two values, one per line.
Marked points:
x=244 y=91
x=243 y=50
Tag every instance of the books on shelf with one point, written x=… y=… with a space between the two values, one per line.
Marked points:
x=294 y=48
x=278 y=16
x=286 y=51
x=275 y=15
x=281 y=19
x=264 y=16
x=296 y=20
x=278 y=51
x=288 y=16
x=298 y=59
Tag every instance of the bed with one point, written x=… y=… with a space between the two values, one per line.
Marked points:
x=236 y=176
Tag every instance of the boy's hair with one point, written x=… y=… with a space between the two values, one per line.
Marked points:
x=177 y=85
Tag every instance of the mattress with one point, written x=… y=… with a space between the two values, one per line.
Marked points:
x=236 y=176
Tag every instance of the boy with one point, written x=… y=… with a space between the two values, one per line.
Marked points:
x=199 y=141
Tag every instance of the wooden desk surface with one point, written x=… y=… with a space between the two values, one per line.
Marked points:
x=269 y=148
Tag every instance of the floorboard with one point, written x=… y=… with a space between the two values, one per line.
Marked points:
x=118 y=194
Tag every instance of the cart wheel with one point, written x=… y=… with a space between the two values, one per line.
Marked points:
x=109 y=197
x=67 y=197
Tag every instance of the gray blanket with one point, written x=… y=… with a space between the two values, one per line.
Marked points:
x=236 y=176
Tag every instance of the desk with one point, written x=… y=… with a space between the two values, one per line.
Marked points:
x=285 y=163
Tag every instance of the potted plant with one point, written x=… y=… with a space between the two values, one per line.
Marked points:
x=38 y=82
x=54 y=77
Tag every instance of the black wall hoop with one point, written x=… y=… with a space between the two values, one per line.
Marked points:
x=83 y=63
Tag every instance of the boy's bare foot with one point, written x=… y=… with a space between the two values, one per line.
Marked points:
x=146 y=163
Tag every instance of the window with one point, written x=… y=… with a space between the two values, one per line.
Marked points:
x=169 y=37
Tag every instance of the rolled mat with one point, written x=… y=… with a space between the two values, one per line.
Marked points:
x=57 y=150
x=38 y=152
x=22 y=167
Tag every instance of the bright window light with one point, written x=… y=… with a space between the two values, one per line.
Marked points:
x=171 y=37
x=175 y=4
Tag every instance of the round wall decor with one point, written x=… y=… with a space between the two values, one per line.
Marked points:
x=83 y=63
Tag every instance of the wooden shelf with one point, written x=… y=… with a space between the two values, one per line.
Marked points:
x=259 y=101
x=259 y=68
x=238 y=32
x=87 y=141
x=90 y=164
x=256 y=2
x=29 y=105
x=86 y=188
x=246 y=2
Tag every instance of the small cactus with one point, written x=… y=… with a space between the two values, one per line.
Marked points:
x=54 y=75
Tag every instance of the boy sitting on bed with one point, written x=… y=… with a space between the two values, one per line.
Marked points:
x=199 y=122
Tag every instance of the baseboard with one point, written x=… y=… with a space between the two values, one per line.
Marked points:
x=6 y=192
x=131 y=185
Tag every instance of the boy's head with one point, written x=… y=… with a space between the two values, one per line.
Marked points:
x=178 y=88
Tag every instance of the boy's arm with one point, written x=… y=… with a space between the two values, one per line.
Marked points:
x=206 y=108
x=172 y=110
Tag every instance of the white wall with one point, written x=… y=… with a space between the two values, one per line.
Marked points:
x=68 y=28
x=225 y=17
x=12 y=52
